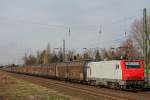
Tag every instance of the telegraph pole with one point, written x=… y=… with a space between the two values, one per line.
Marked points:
x=64 y=54
x=145 y=43
x=99 y=33
x=69 y=43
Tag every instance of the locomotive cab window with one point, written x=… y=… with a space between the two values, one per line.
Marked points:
x=132 y=65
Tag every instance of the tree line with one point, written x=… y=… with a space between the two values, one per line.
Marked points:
x=48 y=56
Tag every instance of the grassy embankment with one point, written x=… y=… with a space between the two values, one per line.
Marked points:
x=14 y=89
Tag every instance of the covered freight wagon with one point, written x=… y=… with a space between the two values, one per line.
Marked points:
x=51 y=70
x=76 y=70
x=61 y=70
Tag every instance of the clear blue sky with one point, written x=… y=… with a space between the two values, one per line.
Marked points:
x=28 y=25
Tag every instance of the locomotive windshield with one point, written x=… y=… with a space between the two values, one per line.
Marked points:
x=132 y=65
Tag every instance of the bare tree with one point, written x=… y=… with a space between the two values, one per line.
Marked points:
x=29 y=60
x=25 y=59
x=79 y=56
x=138 y=33
x=128 y=50
x=60 y=55
x=70 y=55
x=97 y=55
x=54 y=58
x=104 y=54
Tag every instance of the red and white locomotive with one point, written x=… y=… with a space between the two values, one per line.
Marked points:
x=117 y=73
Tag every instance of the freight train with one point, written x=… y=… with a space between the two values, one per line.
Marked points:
x=122 y=74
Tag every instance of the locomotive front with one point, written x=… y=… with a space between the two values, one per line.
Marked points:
x=132 y=73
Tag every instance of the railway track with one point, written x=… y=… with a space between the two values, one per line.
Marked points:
x=82 y=91
x=87 y=91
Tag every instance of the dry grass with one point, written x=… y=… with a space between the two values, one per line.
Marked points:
x=14 y=89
